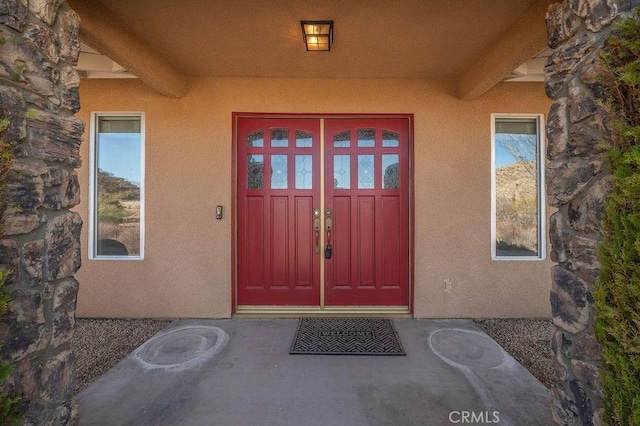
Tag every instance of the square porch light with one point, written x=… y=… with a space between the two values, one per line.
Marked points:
x=317 y=35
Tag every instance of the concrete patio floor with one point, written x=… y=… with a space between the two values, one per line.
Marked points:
x=239 y=372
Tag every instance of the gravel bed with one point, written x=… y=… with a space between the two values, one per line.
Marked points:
x=99 y=344
x=528 y=341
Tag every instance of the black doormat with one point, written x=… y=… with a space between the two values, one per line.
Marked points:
x=346 y=336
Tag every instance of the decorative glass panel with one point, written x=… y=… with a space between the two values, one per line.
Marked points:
x=304 y=139
x=391 y=171
x=342 y=139
x=118 y=186
x=278 y=172
x=342 y=171
x=279 y=138
x=255 y=171
x=366 y=170
x=304 y=171
x=256 y=139
x=366 y=138
x=390 y=138
x=517 y=190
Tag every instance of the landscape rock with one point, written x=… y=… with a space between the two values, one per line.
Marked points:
x=571 y=302
x=556 y=237
x=14 y=108
x=584 y=139
x=18 y=223
x=62 y=236
x=57 y=377
x=580 y=101
x=43 y=39
x=588 y=374
x=39 y=95
x=56 y=139
x=588 y=347
x=33 y=258
x=27 y=331
x=566 y=179
x=10 y=260
x=25 y=185
x=564 y=409
x=564 y=61
x=578 y=181
x=557 y=129
x=70 y=95
x=64 y=308
x=555 y=25
x=13 y=13
x=585 y=211
x=68 y=36
x=45 y=10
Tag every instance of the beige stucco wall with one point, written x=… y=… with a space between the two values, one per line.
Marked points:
x=187 y=267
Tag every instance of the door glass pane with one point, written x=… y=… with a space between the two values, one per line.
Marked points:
x=304 y=171
x=391 y=171
x=278 y=172
x=304 y=139
x=279 y=138
x=390 y=138
x=255 y=171
x=365 y=172
x=342 y=171
x=255 y=139
x=517 y=189
x=366 y=137
x=342 y=139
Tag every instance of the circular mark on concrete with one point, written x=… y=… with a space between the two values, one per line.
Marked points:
x=182 y=347
x=466 y=347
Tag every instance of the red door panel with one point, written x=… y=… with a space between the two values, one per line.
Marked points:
x=303 y=274
x=390 y=256
x=278 y=188
x=367 y=183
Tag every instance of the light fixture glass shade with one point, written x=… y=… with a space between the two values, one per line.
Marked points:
x=317 y=35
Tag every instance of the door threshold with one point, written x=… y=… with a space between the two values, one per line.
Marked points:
x=327 y=312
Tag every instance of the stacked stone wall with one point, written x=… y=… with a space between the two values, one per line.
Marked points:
x=578 y=180
x=41 y=241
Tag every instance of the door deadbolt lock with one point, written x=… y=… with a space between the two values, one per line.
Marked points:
x=218 y=212
x=328 y=251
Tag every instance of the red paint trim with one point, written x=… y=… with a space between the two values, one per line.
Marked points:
x=412 y=222
x=233 y=212
x=319 y=115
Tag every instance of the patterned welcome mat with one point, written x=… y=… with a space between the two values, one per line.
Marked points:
x=346 y=336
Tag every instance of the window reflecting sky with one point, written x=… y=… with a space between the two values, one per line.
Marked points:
x=119 y=154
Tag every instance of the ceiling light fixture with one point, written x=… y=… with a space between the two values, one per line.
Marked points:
x=317 y=35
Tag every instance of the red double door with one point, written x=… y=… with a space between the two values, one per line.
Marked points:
x=322 y=212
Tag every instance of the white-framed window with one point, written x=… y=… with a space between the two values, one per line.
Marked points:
x=116 y=192
x=517 y=187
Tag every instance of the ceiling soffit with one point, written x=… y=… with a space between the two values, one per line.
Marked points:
x=478 y=42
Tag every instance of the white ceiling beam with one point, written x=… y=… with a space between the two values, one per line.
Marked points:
x=103 y=31
x=94 y=62
x=536 y=65
x=526 y=38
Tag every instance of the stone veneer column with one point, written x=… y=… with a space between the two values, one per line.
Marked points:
x=577 y=181
x=41 y=245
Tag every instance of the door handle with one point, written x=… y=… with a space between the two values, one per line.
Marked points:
x=328 y=251
x=316 y=230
